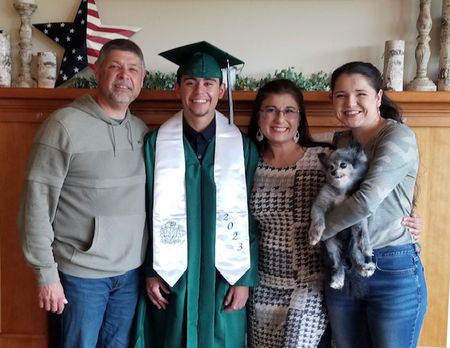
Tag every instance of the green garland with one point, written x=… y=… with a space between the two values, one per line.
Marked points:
x=158 y=80
x=315 y=82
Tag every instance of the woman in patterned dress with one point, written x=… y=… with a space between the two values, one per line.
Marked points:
x=287 y=309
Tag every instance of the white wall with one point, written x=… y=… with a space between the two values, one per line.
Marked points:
x=309 y=35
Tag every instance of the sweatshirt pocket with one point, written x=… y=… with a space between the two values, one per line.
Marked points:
x=116 y=244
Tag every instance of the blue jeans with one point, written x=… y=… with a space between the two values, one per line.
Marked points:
x=100 y=312
x=389 y=307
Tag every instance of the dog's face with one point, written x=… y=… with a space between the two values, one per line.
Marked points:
x=344 y=167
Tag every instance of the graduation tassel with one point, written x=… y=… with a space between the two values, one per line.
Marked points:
x=230 y=96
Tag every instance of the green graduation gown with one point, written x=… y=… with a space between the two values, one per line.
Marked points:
x=195 y=315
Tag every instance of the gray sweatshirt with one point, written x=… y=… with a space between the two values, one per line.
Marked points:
x=386 y=193
x=83 y=205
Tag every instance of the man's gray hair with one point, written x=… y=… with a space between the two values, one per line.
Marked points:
x=121 y=45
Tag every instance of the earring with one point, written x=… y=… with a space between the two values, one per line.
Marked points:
x=259 y=135
x=296 y=136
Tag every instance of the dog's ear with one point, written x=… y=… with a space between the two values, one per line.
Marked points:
x=323 y=158
x=357 y=152
x=356 y=146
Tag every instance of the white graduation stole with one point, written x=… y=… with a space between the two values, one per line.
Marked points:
x=232 y=249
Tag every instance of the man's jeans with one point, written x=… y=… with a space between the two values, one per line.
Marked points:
x=100 y=312
x=390 y=306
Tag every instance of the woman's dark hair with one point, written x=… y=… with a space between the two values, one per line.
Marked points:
x=281 y=86
x=388 y=109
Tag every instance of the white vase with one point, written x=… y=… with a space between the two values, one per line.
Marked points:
x=46 y=69
x=5 y=60
x=444 y=54
x=394 y=57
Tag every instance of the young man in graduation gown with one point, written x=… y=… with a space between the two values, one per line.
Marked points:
x=202 y=257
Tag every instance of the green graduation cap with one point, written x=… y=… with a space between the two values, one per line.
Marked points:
x=201 y=59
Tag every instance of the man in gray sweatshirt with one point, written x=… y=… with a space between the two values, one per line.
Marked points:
x=82 y=216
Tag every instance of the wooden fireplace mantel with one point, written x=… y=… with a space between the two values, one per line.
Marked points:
x=421 y=109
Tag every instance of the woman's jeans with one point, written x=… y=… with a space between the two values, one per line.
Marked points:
x=385 y=310
x=99 y=312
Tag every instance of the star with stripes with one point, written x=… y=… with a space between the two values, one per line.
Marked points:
x=81 y=39
x=98 y=34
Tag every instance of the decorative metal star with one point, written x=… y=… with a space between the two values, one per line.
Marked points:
x=81 y=38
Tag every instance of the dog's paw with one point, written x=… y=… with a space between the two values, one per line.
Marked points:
x=337 y=283
x=367 y=269
x=315 y=233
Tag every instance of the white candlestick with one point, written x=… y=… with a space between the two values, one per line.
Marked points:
x=25 y=10
x=421 y=82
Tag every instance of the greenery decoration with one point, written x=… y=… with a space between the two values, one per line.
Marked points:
x=315 y=82
x=83 y=82
x=159 y=80
x=165 y=81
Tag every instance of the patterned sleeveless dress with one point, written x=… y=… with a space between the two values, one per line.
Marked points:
x=287 y=309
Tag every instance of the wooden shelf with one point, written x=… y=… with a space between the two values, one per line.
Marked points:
x=421 y=109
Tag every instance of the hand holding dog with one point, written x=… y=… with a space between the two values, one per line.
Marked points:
x=316 y=231
x=51 y=297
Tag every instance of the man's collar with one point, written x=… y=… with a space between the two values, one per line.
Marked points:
x=207 y=134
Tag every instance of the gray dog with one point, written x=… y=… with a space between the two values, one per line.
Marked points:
x=344 y=168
